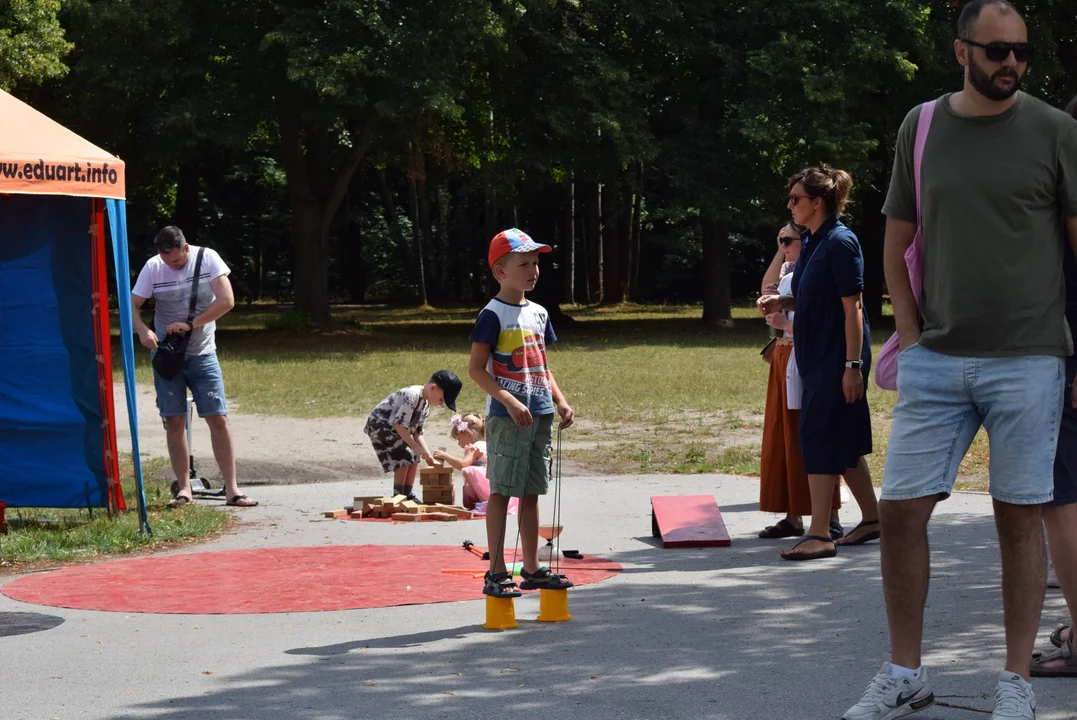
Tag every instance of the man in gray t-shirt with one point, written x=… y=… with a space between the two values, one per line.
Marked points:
x=982 y=347
x=168 y=278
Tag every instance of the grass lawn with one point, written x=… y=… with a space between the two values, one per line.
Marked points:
x=654 y=390
x=38 y=536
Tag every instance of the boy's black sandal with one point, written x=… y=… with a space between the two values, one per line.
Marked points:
x=500 y=586
x=543 y=579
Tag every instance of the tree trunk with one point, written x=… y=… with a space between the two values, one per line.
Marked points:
x=637 y=232
x=186 y=217
x=315 y=193
x=437 y=270
x=417 y=238
x=872 y=228
x=311 y=282
x=626 y=228
x=717 y=304
x=568 y=244
x=612 y=293
x=449 y=268
x=594 y=242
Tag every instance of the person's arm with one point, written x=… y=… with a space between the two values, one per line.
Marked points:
x=476 y=370
x=146 y=336
x=773 y=273
x=899 y=237
x=776 y=303
x=780 y=321
x=852 y=382
x=568 y=415
x=454 y=462
x=224 y=301
x=424 y=451
x=415 y=442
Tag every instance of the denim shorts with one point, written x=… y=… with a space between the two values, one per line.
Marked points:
x=201 y=373
x=943 y=400
x=518 y=459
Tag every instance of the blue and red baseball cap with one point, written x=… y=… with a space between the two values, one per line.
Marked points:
x=513 y=241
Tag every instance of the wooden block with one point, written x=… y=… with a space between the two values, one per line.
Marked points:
x=688 y=521
x=358 y=515
x=442 y=517
x=404 y=517
x=410 y=506
x=458 y=512
x=361 y=500
x=334 y=514
x=397 y=499
x=436 y=481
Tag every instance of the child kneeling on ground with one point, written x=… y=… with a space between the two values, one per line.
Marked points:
x=395 y=427
x=469 y=431
x=508 y=361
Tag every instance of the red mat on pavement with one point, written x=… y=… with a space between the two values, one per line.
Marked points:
x=275 y=580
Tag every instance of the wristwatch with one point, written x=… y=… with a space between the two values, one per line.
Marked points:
x=854 y=364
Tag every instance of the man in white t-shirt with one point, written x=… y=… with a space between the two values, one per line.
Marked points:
x=168 y=278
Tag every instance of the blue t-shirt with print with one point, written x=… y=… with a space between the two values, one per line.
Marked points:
x=517 y=336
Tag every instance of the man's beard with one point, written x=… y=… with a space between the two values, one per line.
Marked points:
x=985 y=85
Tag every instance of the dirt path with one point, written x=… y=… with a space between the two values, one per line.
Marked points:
x=271 y=450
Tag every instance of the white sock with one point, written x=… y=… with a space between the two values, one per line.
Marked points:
x=904 y=672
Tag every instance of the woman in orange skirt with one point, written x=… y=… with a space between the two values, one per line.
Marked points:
x=783 y=486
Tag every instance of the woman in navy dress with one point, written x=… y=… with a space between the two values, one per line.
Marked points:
x=833 y=354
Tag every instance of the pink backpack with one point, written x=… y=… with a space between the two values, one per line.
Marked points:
x=886 y=365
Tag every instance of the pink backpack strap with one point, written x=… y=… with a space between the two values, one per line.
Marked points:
x=927 y=112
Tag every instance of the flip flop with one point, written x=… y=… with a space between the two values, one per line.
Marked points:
x=866 y=538
x=836 y=530
x=817 y=555
x=178 y=502
x=1067 y=669
x=241 y=501
x=781 y=529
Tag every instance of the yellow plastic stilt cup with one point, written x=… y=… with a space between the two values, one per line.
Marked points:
x=553 y=606
x=500 y=614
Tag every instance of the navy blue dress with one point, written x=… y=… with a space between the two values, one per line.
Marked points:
x=834 y=435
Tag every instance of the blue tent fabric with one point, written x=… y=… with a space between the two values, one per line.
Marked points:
x=117 y=218
x=51 y=415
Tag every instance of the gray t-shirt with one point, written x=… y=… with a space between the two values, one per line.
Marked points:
x=995 y=191
x=171 y=291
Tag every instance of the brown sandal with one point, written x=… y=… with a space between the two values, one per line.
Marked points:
x=1068 y=668
x=241 y=501
x=179 y=501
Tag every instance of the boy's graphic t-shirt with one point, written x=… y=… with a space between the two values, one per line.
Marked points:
x=517 y=336
x=406 y=407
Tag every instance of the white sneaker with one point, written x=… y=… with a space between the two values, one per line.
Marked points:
x=1013 y=700
x=846 y=496
x=888 y=698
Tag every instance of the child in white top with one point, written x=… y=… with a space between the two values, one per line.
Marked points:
x=469 y=431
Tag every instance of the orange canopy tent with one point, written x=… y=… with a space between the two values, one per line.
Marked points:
x=57 y=420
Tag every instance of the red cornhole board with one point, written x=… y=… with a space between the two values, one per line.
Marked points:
x=688 y=521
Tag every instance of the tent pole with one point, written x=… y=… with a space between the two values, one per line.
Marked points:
x=117 y=216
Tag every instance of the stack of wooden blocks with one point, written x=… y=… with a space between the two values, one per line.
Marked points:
x=437 y=485
x=400 y=509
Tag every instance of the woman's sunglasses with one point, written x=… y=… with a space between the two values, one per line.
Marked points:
x=787 y=241
x=794 y=198
x=999 y=51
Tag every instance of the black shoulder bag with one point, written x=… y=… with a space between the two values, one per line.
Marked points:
x=168 y=360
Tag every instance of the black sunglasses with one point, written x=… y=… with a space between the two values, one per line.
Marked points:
x=999 y=51
x=786 y=240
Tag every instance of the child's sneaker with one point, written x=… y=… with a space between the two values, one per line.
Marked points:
x=543 y=579
x=500 y=585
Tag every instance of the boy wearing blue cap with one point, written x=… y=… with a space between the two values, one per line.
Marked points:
x=508 y=361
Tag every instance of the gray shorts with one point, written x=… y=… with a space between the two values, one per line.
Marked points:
x=518 y=459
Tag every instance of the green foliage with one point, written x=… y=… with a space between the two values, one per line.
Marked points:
x=32 y=44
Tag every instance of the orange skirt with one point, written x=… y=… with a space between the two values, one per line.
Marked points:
x=783 y=484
